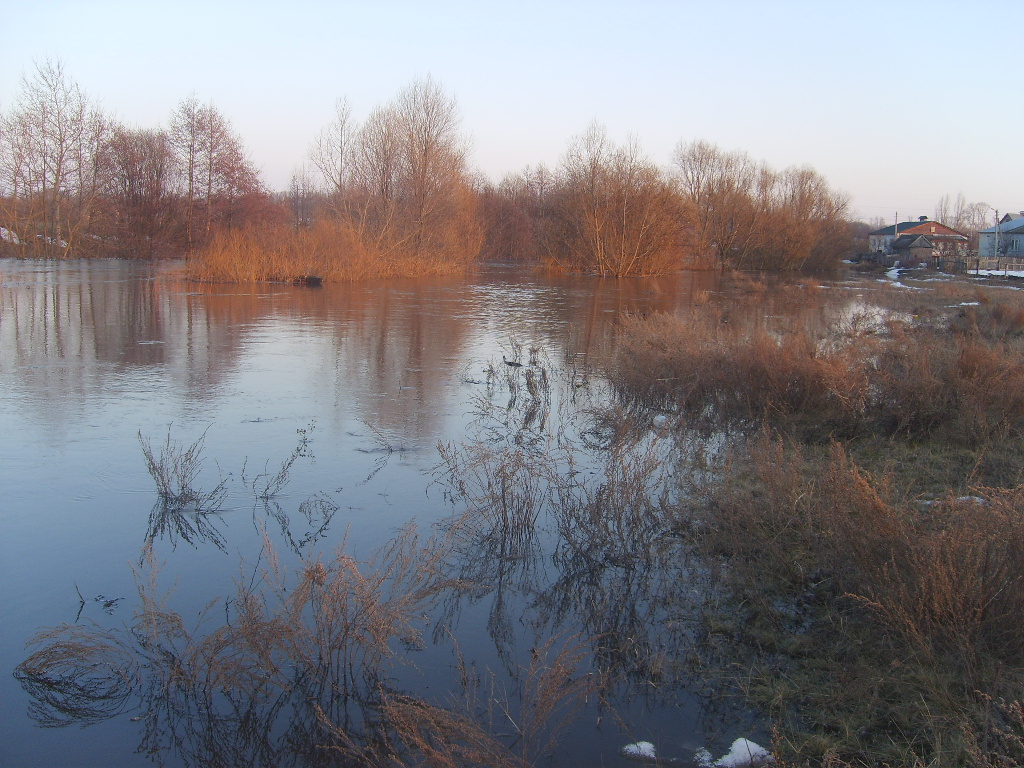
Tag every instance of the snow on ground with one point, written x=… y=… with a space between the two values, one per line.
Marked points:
x=894 y=275
x=642 y=749
x=8 y=236
x=743 y=752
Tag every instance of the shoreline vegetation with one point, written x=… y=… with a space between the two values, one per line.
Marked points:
x=392 y=194
x=865 y=518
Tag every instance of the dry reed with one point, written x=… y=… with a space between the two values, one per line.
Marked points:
x=914 y=382
x=327 y=635
x=334 y=250
x=552 y=690
x=175 y=468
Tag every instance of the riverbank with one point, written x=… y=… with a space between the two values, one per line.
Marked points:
x=865 y=517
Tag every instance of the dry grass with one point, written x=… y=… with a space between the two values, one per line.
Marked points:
x=290 y=647
x=868 y=523
x=78 y=675
x=336 y=251
x=912 y=381
x=175 y=469
x=878 y=624
x=551 y=691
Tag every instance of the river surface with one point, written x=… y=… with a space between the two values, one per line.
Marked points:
x=360 y=384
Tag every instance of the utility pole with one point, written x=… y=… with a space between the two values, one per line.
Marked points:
x=996 y=254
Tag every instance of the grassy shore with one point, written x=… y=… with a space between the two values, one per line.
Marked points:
x=866 y=521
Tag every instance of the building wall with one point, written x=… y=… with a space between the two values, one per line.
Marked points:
x=1010 y=244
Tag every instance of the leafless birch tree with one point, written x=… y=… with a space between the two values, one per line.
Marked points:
x=50 y=167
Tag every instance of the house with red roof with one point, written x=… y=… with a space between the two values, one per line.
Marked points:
x=917 y=241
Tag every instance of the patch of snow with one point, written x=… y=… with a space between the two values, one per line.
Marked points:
x=52 y=241
x=642 y=749
x=744 y=752
x=703 y=758
x=8 y=236
x=971 y=500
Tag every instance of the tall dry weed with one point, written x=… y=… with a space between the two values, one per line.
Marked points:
x=917 y=605
x=722 y=373
x=290 y=651
x=918 y=383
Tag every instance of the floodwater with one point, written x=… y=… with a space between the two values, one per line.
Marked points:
x=359 y=385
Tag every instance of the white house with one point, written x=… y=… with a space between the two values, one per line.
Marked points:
x=1009 y=233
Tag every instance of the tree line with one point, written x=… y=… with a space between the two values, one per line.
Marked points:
x=394 y=190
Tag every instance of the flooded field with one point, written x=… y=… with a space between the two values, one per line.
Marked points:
x=260 y=521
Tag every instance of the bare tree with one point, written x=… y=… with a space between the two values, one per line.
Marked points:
x=717 y=185
x=963 y=216
x=301 y=196
x=435 y=178
x=412 y=191
x=213 y=167
x=748 y=216
x=50 y=166
x=376 y=172
x=185 y=136
x=141 y=169
x=614 y=211
x=332 y=152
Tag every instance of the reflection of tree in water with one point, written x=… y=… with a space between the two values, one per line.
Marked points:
x=185 y=512
x=299 y=673
x=495 y=538
x=589 y=497
x=623 y=577
x=563 y=535
x=317 y=511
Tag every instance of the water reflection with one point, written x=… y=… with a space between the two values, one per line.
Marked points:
x=576 y=535
x=559 y=527
x=299 y=672
x=389 y=349
x=171 y=523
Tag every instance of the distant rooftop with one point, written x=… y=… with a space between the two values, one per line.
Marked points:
x=925 y=223
x=1015 y=225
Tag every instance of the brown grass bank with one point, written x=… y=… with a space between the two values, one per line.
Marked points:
x=928 y=382
x=867 y=523
x=873 y=625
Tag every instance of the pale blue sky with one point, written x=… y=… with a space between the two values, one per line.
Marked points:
x=896 y=103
